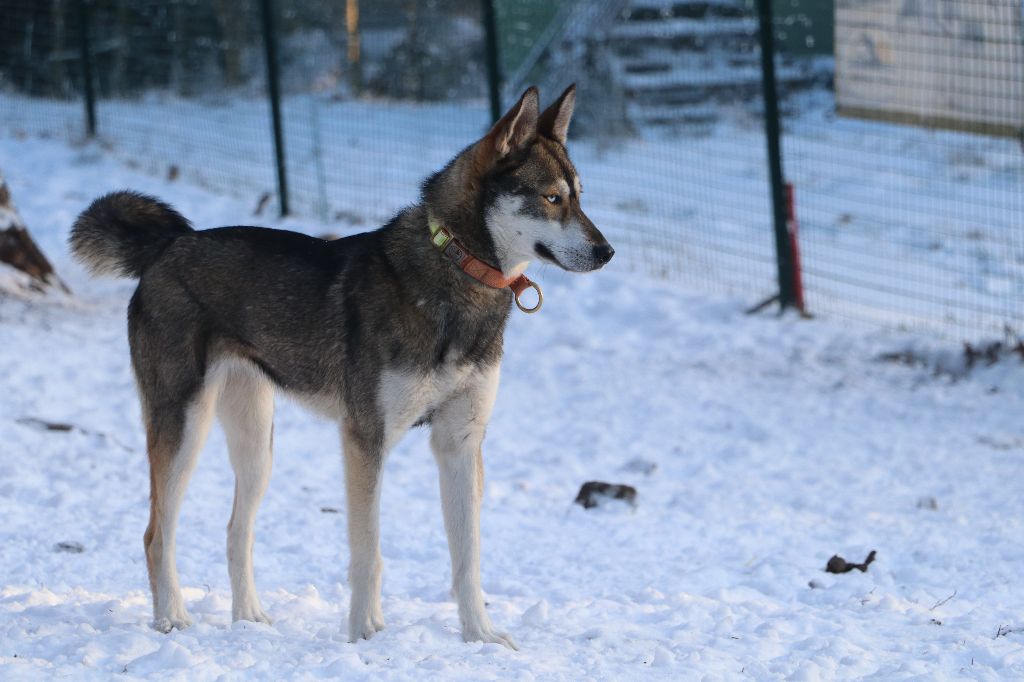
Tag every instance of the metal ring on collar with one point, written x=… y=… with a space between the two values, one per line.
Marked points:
x=540 y=299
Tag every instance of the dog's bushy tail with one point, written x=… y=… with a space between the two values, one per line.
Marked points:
x=123 y=233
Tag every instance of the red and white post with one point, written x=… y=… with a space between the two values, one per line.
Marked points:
x=793 y=230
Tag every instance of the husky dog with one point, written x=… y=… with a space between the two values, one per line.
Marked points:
x=380 y=331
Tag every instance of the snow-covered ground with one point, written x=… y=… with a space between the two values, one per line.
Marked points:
x=900 y=226
x=775 y=444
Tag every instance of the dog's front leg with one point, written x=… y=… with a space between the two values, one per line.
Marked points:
x=363 y=466
x=456 y=438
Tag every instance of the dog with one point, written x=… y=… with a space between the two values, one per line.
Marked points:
x=381 y=331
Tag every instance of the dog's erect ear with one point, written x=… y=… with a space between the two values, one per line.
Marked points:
x=515 y=130
x=554 y=122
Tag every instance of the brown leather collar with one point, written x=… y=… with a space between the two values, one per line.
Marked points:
x=478 y=269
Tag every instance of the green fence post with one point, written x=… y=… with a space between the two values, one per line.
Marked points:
x=87 y=85
x=783 y=255
x=493 y=69
x=274 y=90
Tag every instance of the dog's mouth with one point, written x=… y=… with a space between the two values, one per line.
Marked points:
x=545 y=254
x=587 y=262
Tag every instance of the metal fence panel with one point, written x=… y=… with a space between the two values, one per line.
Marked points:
x=363 y=129
x=903 y=223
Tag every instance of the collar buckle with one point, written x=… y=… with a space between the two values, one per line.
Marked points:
x=441 y=238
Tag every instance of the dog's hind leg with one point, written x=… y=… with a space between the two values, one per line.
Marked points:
x=363 y=463
x=246 y=412
x=456 y=436
x=175 y=435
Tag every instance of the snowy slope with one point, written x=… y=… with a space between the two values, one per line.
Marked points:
x=777 y=443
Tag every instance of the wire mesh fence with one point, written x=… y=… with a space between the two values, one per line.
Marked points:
x=901 y=124
x=910 y=169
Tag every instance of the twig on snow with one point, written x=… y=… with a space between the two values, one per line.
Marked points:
x=942 y=601
x=1003 y=631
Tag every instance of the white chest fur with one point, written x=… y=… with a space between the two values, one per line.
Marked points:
x=406 y=397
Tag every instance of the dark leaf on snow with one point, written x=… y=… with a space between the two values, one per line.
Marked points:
x=593 y=493
x=838 y=564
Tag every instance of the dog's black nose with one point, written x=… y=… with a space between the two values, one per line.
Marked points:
x=603 y=253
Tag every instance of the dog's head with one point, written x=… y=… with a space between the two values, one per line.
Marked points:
x=531 y=192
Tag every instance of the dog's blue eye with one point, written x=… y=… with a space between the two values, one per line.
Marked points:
x=553 y=198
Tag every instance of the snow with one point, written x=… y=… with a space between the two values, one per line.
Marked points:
x=777 y=442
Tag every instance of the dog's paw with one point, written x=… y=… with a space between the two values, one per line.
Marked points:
x=377 y=619
x=366 y=628
x=489 y=636
x=366 y=631
x=253 y=614
x=168 y=623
